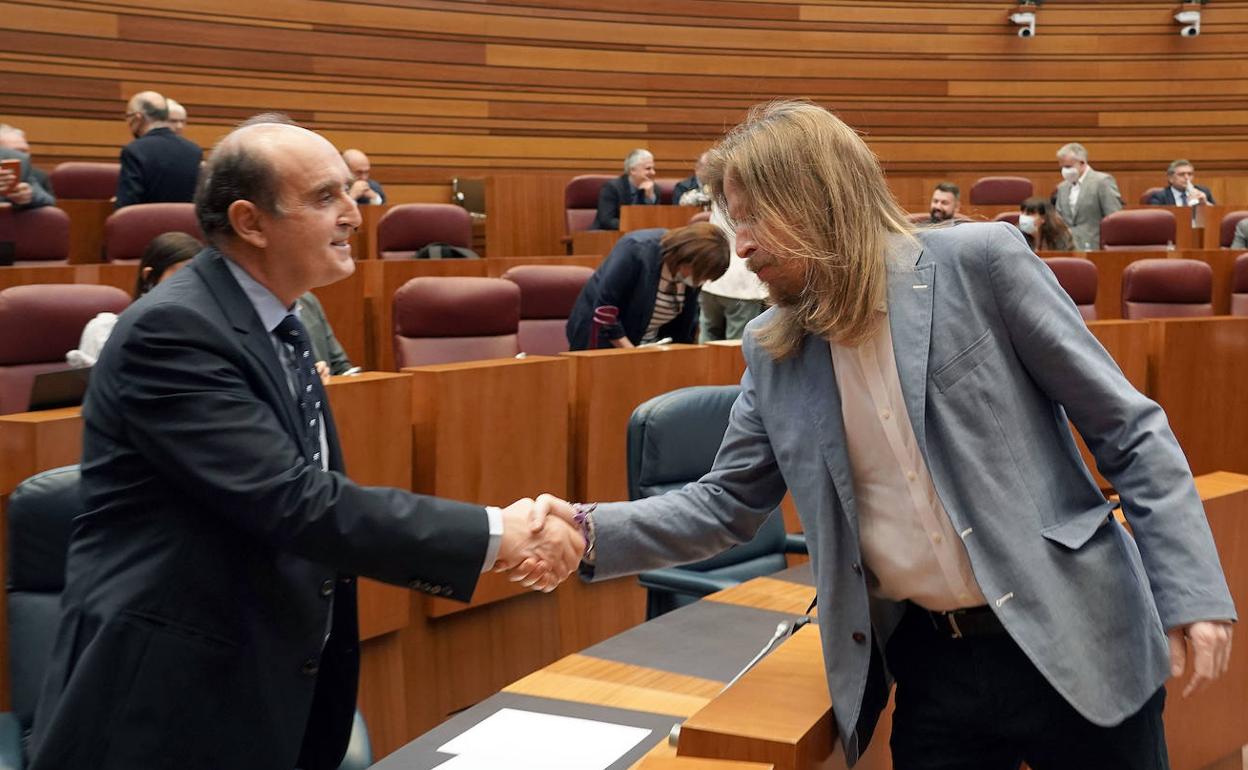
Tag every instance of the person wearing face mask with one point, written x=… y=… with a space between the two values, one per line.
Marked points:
x=653 y=278
x=1085 y=196
x=1043 y=226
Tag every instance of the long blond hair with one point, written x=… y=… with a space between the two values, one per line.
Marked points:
x=816 y=193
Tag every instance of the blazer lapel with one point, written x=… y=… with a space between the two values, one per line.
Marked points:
x=823 y=408
x=910 y=289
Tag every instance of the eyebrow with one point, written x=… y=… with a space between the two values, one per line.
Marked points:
x=328 y=185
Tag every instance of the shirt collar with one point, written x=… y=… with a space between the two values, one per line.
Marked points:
x=1086 y=169
x=268 y=307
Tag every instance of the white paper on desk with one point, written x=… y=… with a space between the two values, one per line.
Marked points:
x=475 y=762
x=525 y=738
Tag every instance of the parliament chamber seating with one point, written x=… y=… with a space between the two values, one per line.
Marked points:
x=1000 y=190
x=129 y=230
x=1167 y=288
x=85 y=181
x=580 y=201
x=1078 y=277
x=672 y=440
x=1226 y=234
x=406 y=229
x=1150 y=229
x=1007 y=216
x=666 y=187
x=1144 y=196
x=445 y=320
x=42 y=323
x=547 y=295
x=38 y=235
x=1239 y=286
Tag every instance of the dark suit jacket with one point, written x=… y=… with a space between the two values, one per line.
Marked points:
x=325 y=345
x=158 y=167
x=682 y=187
x=214 y=559
x=40 y=194
x=375 y=186
x=629 y=279
x=614 y=194
x=1163 y=197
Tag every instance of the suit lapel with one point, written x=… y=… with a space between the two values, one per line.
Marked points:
x=910 y=289
x=823 y=406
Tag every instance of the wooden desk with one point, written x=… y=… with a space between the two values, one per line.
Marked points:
x=1222 y=261
x=86 y=228
x=364 y=242
x=343 y=302
x=646 y=217
x=599 y=242
x=725 y=362
x=496 y=266
x=1208 y=225
x=524 y=214
x=99 y=273
x=1109 y=267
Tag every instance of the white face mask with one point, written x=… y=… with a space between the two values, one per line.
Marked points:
x=1027 y=223
x=1070 y=173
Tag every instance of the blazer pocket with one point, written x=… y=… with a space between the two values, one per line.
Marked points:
x=957 y=367
x=1078 y=529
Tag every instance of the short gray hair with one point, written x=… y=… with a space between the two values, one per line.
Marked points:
x=635 y=157
x=5 y=128
x=1174 y=164
x=1074 y=148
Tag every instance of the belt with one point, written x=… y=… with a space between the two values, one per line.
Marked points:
x=972 y=621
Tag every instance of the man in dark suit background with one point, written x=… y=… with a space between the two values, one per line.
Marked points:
x=209 y=613
x=692 y=183
x=158 y=166
x=21 y=189
x=1181 y=191
x=635 y=187
x=14 y=138
x=365 y=190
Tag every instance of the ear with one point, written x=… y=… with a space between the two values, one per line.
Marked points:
x=147 y=274
x=248 y=223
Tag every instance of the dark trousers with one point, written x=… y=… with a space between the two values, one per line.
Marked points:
x=978 y=703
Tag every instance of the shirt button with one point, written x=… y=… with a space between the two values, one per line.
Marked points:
x=886 y=414
x=307 y=388
x=857 y=568
x=911 y=475
x=310 y=667
x=859 y=637
x=327 y=588
x=936 y=538
x=318 y=404
x=311 y=423
x=316 y=455
x=306 y=353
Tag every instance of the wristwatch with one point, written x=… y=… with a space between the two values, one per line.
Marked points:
x=582 y=515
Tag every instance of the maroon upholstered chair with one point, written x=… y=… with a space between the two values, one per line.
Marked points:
x=666 y=188
x=443 y=320
x=580 y=201
x=1148 y=194
x=38 y=235
x=404 y=230
x=1138 y=229
x=1007 y=216
x=547 y=294
x=1078 y=277
x=128 y=230
x=1001 y=190
x=1229 y=222
x=1167 y=288
x=1239 y=286
x=701 y=216
x=42 y=323
x=91 y=181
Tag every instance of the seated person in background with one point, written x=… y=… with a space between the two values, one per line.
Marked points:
x=1181 y=191
x=689 y=192
x=632 y=188
x=1241 y=235
x=732 y=300
x=177 y=117
x=21 y=189
x=1043 y=226
x=946 y=198
x=330 y=357
x=158 y=166
x=13 y=138
x=365 y=191
x=165 y=255
x=1085 y=196
x=652 y=276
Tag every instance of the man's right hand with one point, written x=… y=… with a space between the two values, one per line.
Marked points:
x=22 y=195
x=7 y=181
x=540 y=550
x=359 y=189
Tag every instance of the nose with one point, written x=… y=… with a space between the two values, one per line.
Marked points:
x=746 y=245
x=352 y=215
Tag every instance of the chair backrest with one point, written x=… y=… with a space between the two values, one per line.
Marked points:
x=547 y=295
x=1239 y=286
x=1078 y=277
x=1167 y=288
x=89 y=181
x=672 y=440
x=42 y=323
x=1000 y=190
x=1007 y=216
x=128 y=230
x=406 y=229
x=40 y=234
x=443 y=320
x=1148 y=194
x=1139 y=229
x=666 y=188
x=1230 y=221
x=580 y=201
x=41 y=513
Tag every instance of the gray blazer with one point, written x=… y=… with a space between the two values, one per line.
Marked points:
x=325 y=345
x=1240 y=240
x=993 y=358
x=1098 y=199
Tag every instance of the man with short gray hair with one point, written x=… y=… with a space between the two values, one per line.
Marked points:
x=635 y=187
x=1181 y=191
x=158 y=166
x=1085 y=196
x=177 y=117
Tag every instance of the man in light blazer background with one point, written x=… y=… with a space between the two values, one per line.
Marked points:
x=1085 y=196
x=912 y=389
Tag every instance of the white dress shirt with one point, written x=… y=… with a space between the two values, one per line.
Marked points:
x=908 y=543
x=737 y=282
x=1074 y=188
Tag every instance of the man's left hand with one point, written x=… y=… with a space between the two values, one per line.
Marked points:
x=22 y=195
x=1208 y=644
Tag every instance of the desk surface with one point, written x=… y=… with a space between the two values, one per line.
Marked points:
x=649 y=676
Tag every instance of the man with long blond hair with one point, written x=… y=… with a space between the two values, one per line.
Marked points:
x=912 y=390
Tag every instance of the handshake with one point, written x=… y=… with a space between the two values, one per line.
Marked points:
x=542 y=544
